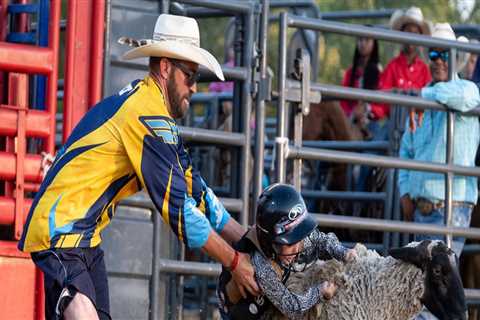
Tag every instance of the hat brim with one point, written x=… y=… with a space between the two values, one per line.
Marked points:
x=298 y=233
x=177 y=50
x=403 y=20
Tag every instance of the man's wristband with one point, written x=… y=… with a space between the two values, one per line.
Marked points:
x=234 y=264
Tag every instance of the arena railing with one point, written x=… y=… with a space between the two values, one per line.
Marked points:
x=287 y=88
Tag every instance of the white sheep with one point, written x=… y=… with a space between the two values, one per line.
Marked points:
x=375 y=287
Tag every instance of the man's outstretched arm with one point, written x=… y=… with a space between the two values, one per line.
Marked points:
x=242 y=273
x=233 y=231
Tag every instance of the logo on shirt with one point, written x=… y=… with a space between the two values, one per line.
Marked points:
x=162 y=127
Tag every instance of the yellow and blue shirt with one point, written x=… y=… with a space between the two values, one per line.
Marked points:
x=125 y=143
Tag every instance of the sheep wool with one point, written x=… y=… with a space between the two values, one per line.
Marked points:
x=370 y=288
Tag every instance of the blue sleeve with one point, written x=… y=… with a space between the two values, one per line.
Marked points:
x=215 y=211
x=460 y=95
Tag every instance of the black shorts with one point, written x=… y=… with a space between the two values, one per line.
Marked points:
x=68 y=271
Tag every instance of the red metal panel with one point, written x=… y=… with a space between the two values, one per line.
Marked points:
x=53 y=45
x=37 y=122
x=18 y=292
x=79 y=24
x=25 y=58
x=18 y=89
x=31 y=164
x=96 y=65
x=7 y=210
x=85 y=30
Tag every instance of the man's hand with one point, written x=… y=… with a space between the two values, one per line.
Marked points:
x=351 y=255
x=408 y=207
x=243 y=275
x=328 y=289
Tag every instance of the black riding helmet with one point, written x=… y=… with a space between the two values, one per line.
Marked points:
x=282 y=218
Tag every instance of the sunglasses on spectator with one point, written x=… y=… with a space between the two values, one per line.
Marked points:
x=434 y=55
x=191 y=76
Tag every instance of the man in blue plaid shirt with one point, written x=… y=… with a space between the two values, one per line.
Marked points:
x=423 y=193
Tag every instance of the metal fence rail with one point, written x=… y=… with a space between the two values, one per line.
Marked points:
x=289 y=88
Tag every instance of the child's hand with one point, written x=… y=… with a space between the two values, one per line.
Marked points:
x=328 y=289
x=351 y=255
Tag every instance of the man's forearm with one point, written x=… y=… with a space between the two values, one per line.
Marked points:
x=218 y=249
x=233 y=231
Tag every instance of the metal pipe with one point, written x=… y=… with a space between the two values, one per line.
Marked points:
x=231 y=5
x=343 y=195
x=230 y=73
x=155 y=280
x=280 y=142
x=247 y=55
x=142 y=200
x=26 y=58
x=190 y=268
x=107 y=55
x=378 y=161
x=96 y=52
x=357 y=30
x=452 y=63
x=341 y=145
x=328 y=90
x=260 y=109
x=290 y=3
x=53 y=45
x=357 y=14
x=165 y=6
x=212 y=136
x=370 y=224
x=37 y=123
x=198 y=12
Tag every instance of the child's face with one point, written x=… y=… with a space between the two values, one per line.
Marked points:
x=289 y=252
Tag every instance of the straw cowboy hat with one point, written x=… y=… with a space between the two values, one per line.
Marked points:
x=175 y=37
x=412 y=15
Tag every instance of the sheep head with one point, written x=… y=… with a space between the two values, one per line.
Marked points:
x=444 y=295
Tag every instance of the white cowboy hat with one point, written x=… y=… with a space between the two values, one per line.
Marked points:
x=175 y=37
x=445 y=31
x=411 y=15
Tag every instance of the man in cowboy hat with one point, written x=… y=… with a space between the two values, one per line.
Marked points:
x=125 y=143
x=406 y=71
x=423 y=193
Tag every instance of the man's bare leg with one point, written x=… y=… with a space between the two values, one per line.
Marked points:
x=80 y=308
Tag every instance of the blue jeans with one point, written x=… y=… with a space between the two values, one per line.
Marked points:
x=461 y=218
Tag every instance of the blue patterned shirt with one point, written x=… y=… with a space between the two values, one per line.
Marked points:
x=428 y=143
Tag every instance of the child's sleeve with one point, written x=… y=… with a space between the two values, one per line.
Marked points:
x=323 y=246
x=288 y=303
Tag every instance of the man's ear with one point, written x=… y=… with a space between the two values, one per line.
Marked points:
x=416 y=254
x=165 y=68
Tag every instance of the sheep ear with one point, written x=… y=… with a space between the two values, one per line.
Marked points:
x=416 y=254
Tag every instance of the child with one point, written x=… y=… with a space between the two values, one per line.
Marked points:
x=284 y=239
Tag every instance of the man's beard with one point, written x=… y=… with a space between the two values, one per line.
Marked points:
x=175 y=100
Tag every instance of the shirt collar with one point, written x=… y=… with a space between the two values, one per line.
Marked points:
x=156 y=93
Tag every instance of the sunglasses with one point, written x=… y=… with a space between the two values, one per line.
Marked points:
x=434 y=55
x=191 y=76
